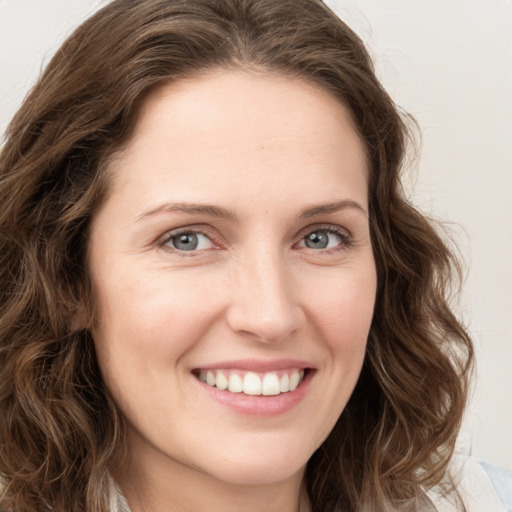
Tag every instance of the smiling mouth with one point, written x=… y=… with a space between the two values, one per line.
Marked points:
x=253 y=383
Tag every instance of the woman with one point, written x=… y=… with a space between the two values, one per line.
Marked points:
x=214 y=294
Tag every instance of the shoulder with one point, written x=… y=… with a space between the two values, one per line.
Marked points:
x=481 y=486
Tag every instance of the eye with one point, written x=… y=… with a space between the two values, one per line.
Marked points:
x=188 y=241
x=325 y=238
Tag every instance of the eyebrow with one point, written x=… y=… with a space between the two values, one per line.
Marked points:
x=323 y=209
x=223 y=213
x=193 y=208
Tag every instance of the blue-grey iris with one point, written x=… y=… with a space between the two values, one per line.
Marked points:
x=186 y=242
x=317 y=240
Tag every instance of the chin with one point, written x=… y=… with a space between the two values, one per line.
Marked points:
x=263 y=467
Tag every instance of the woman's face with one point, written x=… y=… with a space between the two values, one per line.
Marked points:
x=234 y=248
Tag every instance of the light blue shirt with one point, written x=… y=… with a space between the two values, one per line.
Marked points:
x=501 y=480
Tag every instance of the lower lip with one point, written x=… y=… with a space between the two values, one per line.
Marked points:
x=260 y=405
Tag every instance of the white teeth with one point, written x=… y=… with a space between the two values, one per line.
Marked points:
x=284 y=383
x=294 y=380
x=221 y=381
x=270 y=385
x=210 y=379
x=252 y=383
x=235 y=383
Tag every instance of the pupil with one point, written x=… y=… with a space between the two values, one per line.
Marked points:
x=186 y=242
x=317 y=240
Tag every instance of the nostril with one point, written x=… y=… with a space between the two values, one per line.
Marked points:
x=268 y=326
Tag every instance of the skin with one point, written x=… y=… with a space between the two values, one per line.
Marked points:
x=264 y=147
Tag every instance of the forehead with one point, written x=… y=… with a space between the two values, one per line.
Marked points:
x=225 y=129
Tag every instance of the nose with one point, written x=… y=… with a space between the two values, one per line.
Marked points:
x=262 y=302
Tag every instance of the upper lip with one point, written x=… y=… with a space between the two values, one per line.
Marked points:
x=257 y=365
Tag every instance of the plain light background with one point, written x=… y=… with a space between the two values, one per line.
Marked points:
x=448 y=63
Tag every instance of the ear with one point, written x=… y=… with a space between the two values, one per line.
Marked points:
x=80 y=319
x=82 y=312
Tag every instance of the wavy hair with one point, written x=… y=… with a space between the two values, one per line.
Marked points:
x=59 y=428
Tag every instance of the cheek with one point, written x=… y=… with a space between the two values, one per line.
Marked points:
x=343 y=308
x=151 y=309
x=145 y=326
x=341 y=313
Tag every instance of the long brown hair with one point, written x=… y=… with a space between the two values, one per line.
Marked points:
x=59 y=428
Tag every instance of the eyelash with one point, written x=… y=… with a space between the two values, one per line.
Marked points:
x=346 y=240
x=169 y=236
x=345 y=243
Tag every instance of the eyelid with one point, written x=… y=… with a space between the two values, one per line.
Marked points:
x=207 y=231
x=324 y=225
x=164 y=239
x=343 y=233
